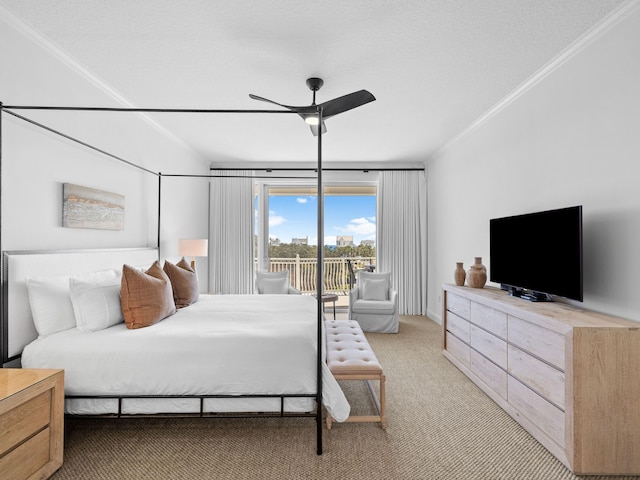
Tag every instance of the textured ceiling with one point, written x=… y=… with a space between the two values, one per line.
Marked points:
x=435 y=66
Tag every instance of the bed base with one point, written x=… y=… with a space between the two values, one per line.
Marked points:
x=202 y=412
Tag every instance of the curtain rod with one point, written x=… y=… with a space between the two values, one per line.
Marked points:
x=232 y=176
x=326 y=169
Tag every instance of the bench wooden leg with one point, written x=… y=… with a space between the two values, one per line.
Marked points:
x=378 y=400
x=383 y=417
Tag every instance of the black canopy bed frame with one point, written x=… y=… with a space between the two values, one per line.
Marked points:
x=4 y=324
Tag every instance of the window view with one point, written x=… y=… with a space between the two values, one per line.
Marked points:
x=349 y=229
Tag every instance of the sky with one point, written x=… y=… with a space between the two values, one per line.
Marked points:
x=295 y=216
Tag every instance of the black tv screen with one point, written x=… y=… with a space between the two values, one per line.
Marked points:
x=540 y=252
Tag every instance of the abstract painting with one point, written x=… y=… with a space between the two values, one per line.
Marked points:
x=84 y=207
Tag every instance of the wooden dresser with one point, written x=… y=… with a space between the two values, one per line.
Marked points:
x=570 y=377
x=31 y=422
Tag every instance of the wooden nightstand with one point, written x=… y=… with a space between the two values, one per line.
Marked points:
x=32 y=422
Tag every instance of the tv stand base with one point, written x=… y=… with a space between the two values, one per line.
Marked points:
x=532 y=296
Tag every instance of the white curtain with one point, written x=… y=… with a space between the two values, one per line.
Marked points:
x=231 y=232
x=402 y=237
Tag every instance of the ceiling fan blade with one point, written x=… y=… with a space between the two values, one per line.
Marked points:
x=302 y=111
x=262 y=99
x=314 y=129
x=345 y=103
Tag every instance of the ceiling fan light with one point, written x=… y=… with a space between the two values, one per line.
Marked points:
x=313 y=120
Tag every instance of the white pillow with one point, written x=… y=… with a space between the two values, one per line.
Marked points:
x=96 y=300
x=365 y=276
x=375 y=289
x=274 y=286
x=50 y=304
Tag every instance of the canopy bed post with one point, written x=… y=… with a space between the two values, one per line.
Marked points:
x=319 y=286
x=4 y=340
x=159 y=210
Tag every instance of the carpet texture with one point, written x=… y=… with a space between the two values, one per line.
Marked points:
x=439 y=426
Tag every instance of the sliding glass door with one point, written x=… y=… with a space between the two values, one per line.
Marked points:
x=286 y=226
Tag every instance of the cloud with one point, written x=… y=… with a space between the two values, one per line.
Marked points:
x=361 y=226
x=302 y=200
x=275 y=220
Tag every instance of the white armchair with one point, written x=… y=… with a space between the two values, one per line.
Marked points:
x=275 y=283
x=374 y=304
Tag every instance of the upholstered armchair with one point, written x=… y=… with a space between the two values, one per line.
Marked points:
x=373 y=303
x=275 y=283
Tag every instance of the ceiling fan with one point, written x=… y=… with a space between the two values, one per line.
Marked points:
x=329 y=108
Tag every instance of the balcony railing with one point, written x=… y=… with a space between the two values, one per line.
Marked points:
x=303 y=272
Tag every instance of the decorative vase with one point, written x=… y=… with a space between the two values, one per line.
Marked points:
x=477 y=274
x=459 y=274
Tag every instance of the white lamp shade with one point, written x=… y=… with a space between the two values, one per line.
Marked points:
x=193 y=247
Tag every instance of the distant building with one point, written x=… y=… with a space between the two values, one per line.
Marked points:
x=344 y=241
x=368 y=243
x=300 y=241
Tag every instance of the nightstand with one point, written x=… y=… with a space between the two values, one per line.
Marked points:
x=32 y=422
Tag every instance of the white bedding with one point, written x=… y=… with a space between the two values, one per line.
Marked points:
x=221 y=345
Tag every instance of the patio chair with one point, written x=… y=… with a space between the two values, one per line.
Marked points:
x=275 y=283
x=373 y=303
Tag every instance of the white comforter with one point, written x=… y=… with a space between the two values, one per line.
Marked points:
x=222 y=345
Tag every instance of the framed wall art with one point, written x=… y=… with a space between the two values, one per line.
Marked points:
x=84 y=207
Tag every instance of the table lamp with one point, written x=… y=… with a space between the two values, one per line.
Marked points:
x=193 y=248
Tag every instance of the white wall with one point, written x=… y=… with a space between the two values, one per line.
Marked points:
x=571 y=139
x=35 y=163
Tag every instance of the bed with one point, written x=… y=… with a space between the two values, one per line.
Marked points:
x=223 y=353
x=18 y=330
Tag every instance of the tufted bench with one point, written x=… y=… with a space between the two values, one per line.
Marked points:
x=350 y=357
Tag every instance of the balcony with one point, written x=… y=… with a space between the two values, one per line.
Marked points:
x=303 y=273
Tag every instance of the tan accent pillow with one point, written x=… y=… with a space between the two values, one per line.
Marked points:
x=184 y=283
x=145 y=297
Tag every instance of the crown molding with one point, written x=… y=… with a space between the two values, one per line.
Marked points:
x=76 y=66
x=588 y=38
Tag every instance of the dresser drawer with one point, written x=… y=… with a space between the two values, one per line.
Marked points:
x=537 y=340
x=23 y=421
x=489 y=345
x=537 y=410
x=458 y=305
x=489 y=373
x=458 y=326
x=490 y=319
x=537 y=375
x=458 y=349
x=27 y=459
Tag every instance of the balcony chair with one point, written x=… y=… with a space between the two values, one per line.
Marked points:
x=275 y=283
x=373 y=303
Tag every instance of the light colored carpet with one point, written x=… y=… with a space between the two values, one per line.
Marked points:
x=440 y=426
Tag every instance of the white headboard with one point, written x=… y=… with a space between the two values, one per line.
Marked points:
x=17 y=323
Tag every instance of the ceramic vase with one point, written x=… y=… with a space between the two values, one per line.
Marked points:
x=477 y=274
x=459 y=274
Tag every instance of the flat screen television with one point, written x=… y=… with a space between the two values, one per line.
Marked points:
x=539 y=254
